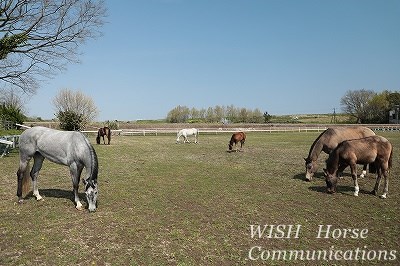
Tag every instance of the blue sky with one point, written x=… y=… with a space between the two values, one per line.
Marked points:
x=283 y=57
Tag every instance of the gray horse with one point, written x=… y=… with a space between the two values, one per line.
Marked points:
x=69 y=148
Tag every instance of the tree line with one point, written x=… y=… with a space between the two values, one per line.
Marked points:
x=369 y=107
x=216 y=114
x=75 y=110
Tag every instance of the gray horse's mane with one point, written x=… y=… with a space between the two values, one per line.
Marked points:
x=93 y=156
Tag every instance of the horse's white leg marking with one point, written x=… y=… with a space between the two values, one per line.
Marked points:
x=79 y=206
x=386 y=189
x=354 y=175
x=38 y=161
x=363 y=174
x=36 y=191
x=356 y=190
x=75 y=171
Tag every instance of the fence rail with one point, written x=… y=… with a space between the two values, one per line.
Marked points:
x=215 y=131
x=7 y=143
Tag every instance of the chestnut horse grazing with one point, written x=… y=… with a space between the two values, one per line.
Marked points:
x=328 y=140
x=375 y=151
x=236 y=138
x=103 y=131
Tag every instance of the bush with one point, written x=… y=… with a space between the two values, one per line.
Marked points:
x=70 y=121
x=11 y=113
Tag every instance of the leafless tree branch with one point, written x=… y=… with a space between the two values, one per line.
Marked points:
x=38 y=38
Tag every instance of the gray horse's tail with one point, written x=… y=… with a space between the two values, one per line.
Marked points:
x=26 y=181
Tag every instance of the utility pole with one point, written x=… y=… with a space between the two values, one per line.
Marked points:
x=333 y=119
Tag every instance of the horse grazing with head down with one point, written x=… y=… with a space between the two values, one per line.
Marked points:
x=235 y=139
x=187 y=132
x=103 y=131
x=375 y=151
x=328 y=140
x=70 y=148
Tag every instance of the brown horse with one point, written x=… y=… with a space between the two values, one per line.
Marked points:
x=236 y=138
x=375 y=151
x=328 y=140
x=103 y=131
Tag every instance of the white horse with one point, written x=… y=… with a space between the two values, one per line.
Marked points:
x=69 y=148
x=187 y=132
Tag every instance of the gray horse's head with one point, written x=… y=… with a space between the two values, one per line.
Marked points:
x=91 y=192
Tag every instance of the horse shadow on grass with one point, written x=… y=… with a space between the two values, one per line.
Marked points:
x=344 y=190
x=302 y=176
x=59 y=194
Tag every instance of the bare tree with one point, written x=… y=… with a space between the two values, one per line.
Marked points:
x=356 y=104
x=39 y=37
x=68 y=101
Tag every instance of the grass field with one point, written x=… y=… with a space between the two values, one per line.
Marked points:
x=162 y=203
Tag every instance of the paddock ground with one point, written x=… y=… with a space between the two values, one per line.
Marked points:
x=162 y=203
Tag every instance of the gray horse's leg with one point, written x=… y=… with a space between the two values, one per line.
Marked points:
x=75 y=171
x=38 y=162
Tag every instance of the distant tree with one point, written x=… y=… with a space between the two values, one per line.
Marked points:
x=267 y=117
x=38 y=38
x=179 y=114
x=217 y=114
x=210 y=115
x=256 y=116
x=74 y=106
x=378 y=109
x=393 y=98
x=11 y=107
x=356 y=104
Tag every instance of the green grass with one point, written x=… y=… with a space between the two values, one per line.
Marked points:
x=162 y=203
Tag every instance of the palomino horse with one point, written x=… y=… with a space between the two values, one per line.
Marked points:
x=236 y=138
x=375 y=151
x=103 y=131
x=69 y=148
x=187 y=132
x=328 y=140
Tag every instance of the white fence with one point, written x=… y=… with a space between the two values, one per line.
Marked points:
x=215 y=131
x=7 y=143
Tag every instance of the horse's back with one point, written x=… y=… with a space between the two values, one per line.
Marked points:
x=354 y=132
x=55 y=145
x=238 y=136
x=366 y=149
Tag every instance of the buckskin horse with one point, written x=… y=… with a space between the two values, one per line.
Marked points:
x=376 y=151
x=69 y=148
x=235 y=139
x=328 y=140
x=103 y=131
